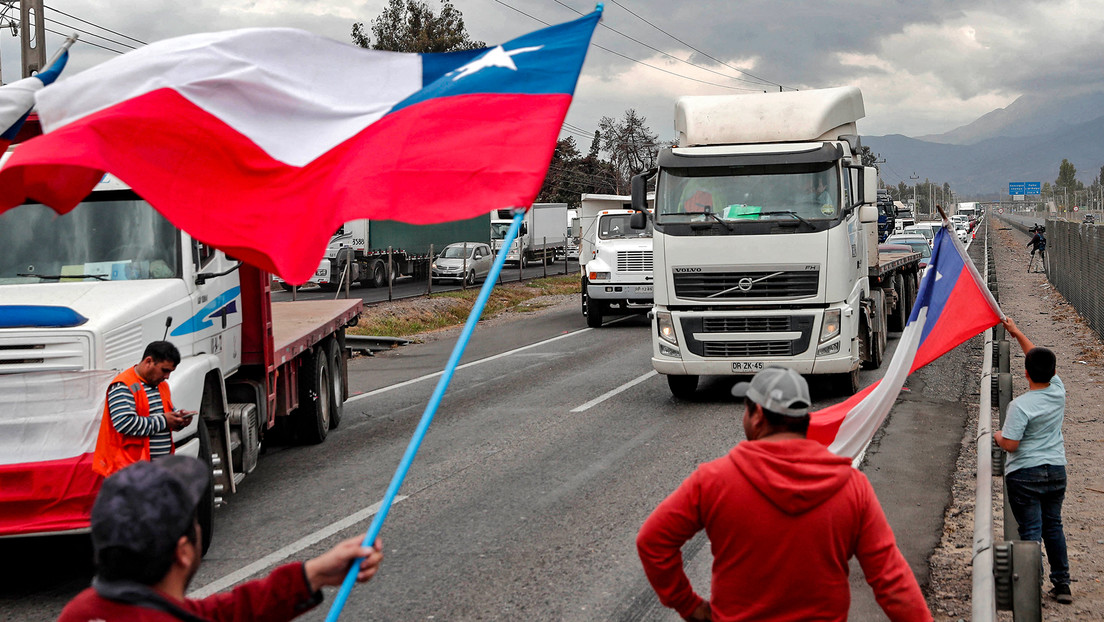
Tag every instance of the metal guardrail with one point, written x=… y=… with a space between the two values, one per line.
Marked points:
x=983 y=595
x=371 y=343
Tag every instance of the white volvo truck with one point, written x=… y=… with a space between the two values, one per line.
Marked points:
x=765 y=241
x=82 y=294
x=615 y=260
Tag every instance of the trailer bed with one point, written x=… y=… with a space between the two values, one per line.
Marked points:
x=299 y=325
x=889 y=261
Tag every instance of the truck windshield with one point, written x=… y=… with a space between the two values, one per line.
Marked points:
x=615 y=226
x=499 y=229
x=115 y=236
x=806 y=193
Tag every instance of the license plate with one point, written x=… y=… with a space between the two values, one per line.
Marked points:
x=643 y=289
x=742 y=366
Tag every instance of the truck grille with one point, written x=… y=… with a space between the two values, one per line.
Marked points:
x=743 y=285
x=748 y=348
x=43 y=353
x=745 y=324
x=634 y=261
x=761 y=335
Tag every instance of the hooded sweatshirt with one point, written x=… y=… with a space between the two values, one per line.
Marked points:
x=783 y=520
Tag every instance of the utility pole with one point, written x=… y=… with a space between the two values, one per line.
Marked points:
x=7 y=22
x=32 y=36
x=915 y=204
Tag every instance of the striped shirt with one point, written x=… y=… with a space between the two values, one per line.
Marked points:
x=125 y=418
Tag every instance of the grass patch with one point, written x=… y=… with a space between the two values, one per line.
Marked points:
x=428 y=313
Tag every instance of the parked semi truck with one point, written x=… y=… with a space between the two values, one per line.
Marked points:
x=358 y=250
x=542 y=234
x=766 y=241
x=82 y=294
x=615 y=260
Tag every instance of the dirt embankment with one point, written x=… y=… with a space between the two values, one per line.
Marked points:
x=1048 y=320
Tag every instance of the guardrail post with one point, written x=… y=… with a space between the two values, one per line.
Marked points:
x=464 y=279
x=429 y=271
x=1027 y=579
x=390 y=274
x=544 y=257
x=521 y=261
x=1004 y=357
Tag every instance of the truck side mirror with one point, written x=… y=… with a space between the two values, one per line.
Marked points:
x=639 y=189
x=639 y=220
x=868 y=179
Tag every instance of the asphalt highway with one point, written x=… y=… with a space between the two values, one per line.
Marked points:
x=552 y=445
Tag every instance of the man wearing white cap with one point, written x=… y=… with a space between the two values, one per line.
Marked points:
x=784 y=516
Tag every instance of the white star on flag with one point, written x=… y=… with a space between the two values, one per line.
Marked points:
x=495 y=57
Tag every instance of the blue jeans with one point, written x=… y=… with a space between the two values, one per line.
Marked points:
x=1036 y=495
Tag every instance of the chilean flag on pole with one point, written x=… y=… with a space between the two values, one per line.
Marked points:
x=18 y=98
x=952 y=306
x=262 y=142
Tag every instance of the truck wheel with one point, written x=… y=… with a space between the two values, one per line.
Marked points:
x=848 y=384
x=594 y=311
x=682 y=387
x=315 y=403
x=900 y=313
x=379 y=275
x=337 y=384
x=871 y=347
x=206 y=509
x=287 y=287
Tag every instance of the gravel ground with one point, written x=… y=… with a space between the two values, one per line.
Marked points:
x=1048 y=320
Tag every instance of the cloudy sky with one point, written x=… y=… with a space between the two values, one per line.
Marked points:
x=924 y=66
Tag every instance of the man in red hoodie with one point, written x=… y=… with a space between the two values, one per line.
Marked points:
x=784 y=516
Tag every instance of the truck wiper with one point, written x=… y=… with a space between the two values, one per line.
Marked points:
x=56 y=277
x=787 y=212
x=718 y=219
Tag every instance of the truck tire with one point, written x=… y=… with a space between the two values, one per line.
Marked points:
x=337 y=383
x=287 y=287
x=594 y=312
x=871 y=346
x=682 y=387
x=379 y=275
x=206 y=509
x=312 y=418
x=847 y=384
x=899 y=317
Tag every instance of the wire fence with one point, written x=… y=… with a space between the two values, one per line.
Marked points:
x=1074 y=263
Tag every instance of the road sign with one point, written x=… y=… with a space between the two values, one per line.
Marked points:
x=1033 y=187
x=1075 y=208
x=1015 y=187
x=1000 y=210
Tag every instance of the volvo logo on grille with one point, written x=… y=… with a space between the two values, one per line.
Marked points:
x=686 y=269
x=744 y=284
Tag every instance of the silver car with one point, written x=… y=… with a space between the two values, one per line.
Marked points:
x=451 y=264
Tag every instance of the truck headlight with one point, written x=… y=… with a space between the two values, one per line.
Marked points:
x=831 y=326
x=599 y=276
x=666 y=327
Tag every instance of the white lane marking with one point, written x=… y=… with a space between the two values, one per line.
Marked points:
x=608 y=394
x=465 y=365
x=278 y=556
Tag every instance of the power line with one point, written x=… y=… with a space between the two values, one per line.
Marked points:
x=92 y=34
x=654 y=49
x=745 y=72
x=83 y=21
x=62 y=34
x=605 y=49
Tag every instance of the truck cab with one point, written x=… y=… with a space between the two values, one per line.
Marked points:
x=765 y=237
x=82 y=294
x=615 y=260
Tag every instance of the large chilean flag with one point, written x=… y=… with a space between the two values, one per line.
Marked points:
x=262 y=142
x=952 y=306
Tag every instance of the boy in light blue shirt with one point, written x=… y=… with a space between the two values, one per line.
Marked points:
x=1035 y=472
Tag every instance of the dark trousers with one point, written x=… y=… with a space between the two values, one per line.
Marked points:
x=1036 y=495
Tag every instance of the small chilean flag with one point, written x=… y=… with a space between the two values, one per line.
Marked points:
x=262 y=142
x=952 y=306
x=18 y=98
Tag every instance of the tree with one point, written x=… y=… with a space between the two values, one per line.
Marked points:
x=630 y=145
x=868 y=157
x=1067 y=177
x=411 y=26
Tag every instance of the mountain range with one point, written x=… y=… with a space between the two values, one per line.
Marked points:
x=1024 y=142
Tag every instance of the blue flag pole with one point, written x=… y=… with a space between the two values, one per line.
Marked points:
x=427 y=416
